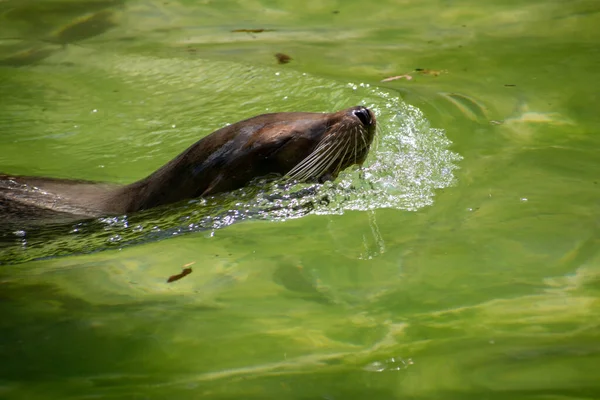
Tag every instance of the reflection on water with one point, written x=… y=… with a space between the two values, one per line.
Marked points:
x=32 y=31
x=85 y=27
x=27 y=56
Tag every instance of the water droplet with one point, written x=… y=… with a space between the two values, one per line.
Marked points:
x=115 y=238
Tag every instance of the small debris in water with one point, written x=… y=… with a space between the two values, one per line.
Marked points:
x=186 y=271
x=283 y=58
x=253 y=30
x=510 y=85
x=393 y=78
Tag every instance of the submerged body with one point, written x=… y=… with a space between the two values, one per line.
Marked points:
x=298 y=146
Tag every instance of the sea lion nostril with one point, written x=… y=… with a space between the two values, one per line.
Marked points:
x=364 y=116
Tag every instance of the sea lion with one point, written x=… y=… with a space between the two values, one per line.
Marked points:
x=293 y=145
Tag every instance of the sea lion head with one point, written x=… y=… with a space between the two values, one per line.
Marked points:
x=298 y=146
x=345 y=141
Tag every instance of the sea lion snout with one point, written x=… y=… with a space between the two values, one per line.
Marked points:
x=365 y=115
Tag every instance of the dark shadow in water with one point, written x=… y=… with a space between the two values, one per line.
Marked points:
x=44 y=28
x=299 y=282
x=41 y=319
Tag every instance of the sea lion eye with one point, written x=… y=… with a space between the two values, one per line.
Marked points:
x=364 y=116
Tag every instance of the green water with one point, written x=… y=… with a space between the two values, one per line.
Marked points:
x=463 y=262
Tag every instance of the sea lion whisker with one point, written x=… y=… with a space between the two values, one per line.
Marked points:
x=333 y=159
x=307 y=167
x=355 y=153
x=351 y=146
x=339 y=157
x=366 y=143
x=363 y=133
x=343 y=158
x=376 y=136
x=324 y=164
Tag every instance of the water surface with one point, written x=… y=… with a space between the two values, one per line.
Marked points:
x=462 y=262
